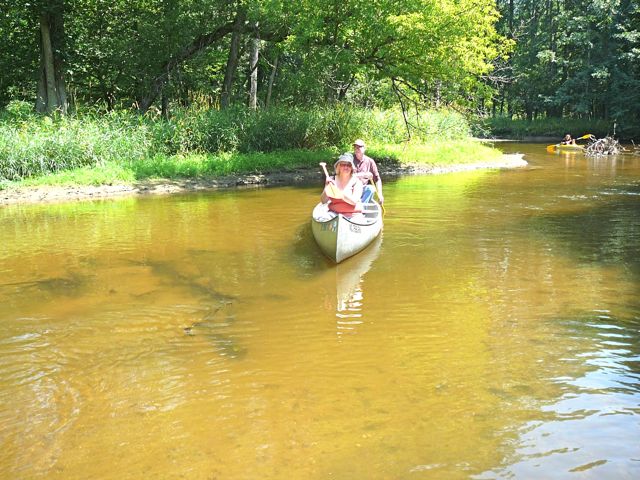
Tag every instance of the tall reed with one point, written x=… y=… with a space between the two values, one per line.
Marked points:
x=33 y=145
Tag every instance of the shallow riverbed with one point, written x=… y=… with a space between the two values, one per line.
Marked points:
x=492 y=332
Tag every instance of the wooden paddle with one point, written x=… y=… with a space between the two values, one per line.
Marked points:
x=375 y=187
x=331 y=190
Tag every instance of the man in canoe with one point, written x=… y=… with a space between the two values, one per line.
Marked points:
x=344 y=190
x=367 y=171
x=568 y=140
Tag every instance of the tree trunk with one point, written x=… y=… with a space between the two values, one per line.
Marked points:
x=232 y=60
x=510 y=18
x=52 y=94
x=253 y=65
x=41 y=97
x=272 y=78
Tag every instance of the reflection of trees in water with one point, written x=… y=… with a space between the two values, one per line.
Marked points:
x=349 y=292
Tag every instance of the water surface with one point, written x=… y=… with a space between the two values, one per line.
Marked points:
x=492 y=332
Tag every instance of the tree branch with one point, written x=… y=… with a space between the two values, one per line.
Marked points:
x=191 y=50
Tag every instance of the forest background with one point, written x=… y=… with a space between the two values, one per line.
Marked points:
x=88 y=83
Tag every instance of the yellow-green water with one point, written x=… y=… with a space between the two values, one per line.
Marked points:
x=491 y=333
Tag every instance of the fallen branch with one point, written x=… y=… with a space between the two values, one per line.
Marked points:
x=603 y=146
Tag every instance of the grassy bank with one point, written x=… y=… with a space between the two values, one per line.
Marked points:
x=503 y=127
x=120 y=147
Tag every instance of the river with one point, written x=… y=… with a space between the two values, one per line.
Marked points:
x=492 y=332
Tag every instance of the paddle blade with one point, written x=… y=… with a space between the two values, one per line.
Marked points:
x=331 y=191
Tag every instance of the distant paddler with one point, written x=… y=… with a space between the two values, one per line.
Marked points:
x=568 y=144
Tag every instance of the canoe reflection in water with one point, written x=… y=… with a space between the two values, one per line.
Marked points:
x=349 y=291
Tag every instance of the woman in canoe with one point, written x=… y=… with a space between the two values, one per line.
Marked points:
x=567 y=140
x=344 y=190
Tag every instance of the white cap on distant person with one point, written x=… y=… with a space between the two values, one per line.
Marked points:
x=358 y=143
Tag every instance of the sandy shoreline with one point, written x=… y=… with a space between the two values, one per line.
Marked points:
x=31 y=195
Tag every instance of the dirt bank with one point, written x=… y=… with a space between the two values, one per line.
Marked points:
x=163 y=187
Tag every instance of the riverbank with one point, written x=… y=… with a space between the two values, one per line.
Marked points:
x=49 y=194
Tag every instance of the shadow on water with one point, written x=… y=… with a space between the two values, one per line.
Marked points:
x=305 y=253
x=607 y=234
x=212 y=327
x=200 y=284
x=71 y=285
x=220 y=313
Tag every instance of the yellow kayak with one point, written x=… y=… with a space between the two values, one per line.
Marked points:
x=559 y=147
x=566 y=148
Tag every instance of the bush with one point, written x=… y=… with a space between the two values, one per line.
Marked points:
x=44 y=145
x=504 y=127
x=32 y=145
x=19 y=110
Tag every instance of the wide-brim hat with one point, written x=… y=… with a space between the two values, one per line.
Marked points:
x=345 y=158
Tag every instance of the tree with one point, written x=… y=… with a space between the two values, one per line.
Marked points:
x=52 y=91
x=131 y=53
x=575 y=59
x=421 y=45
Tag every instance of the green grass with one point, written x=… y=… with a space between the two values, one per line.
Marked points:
x=503 y=127
x=198 y=165
x=437 y=153
x=100 y=175
x=92 y=148
x=207 y=165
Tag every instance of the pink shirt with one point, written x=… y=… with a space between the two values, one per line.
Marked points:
x=367 y=164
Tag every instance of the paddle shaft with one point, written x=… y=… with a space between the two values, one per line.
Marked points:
x=375 y=187
x=331 y=190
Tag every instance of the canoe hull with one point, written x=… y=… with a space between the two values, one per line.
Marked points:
x=340 y=237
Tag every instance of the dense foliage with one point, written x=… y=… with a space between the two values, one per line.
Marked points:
x=577 y=59
x=518 y=59
x=33 y=145
x=123 y=53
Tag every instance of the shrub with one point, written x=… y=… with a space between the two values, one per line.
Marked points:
x=32 y=145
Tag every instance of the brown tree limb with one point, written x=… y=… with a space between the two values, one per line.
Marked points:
x=191 y=50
